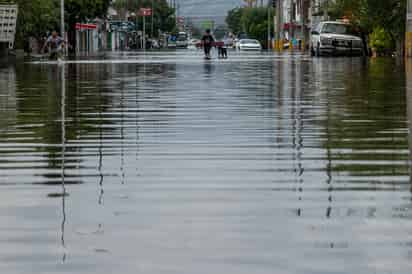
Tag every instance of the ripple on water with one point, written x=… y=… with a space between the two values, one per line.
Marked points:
x=258 y=164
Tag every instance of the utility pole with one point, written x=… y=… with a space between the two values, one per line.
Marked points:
x=325 y=10
x=278 y=23
x=269 y=38
x=305 y=21
x=62 y=19
x=291 y=15
x=408 y=35
x=144 y=33
x=152 y=26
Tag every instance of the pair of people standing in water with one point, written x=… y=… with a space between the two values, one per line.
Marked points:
x=208 y=41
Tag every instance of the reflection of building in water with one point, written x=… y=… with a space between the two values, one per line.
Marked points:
x=8 y=100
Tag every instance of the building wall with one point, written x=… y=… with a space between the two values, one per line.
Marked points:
x=8 y=19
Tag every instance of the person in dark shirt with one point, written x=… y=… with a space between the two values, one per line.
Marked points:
x=207 y=42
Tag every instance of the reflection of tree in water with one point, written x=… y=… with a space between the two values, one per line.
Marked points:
x=63 y=156
x=329 y=161
x=297 y=128
x=39 y=106
x=366 y=115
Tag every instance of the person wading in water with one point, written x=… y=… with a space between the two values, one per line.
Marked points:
x=55 y=45
x=207 y=42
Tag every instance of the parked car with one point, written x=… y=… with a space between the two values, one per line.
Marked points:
x=335 y=38
x=249 y=44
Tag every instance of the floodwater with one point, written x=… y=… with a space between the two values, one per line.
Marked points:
x=167 y=163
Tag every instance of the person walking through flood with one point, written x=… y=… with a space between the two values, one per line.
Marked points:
x=55 y=45
x=207 y=43
x=221 y=49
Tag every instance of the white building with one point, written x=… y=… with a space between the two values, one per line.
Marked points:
x=299 y=16
x=318 y=10
x=8 y=18
x=294 y=14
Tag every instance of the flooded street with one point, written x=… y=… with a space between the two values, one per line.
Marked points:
x=167 y=163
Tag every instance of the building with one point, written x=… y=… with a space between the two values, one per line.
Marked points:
x=298 y=17
x=8 y=19
x=319 y=10
x=295 y=20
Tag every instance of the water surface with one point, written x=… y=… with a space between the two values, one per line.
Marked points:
x=167 y=163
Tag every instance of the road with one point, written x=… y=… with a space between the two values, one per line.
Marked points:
x=167 y=163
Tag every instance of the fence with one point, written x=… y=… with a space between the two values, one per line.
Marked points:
x=8 y=19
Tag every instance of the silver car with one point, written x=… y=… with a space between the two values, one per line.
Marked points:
x=335 y=38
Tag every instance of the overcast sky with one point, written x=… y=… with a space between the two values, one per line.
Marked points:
x=207 y=7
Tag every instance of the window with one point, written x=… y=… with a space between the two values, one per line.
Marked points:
x=337 y=29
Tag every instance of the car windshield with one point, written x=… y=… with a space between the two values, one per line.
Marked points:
x=248 y=41
x=337 y=29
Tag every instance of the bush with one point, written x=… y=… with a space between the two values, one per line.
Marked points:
x=381 y=41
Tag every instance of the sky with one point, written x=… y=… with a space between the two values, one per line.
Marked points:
x=209 y=8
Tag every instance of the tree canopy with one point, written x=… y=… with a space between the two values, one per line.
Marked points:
x=251 y=20
x=36 y=17
x=373 y=15
x=163 y=15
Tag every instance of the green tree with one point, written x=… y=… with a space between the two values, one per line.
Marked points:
x=233 y=20
x=253 y=21
x=35 y=18
x=163 y=15
x=80 y=11
x=370 y=15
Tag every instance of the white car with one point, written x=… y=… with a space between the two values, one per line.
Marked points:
x=194 y=43
x=332 y=38
x=249 y=44
x=180 y=43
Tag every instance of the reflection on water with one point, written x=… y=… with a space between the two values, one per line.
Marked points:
x=7 y=98
x=179 y=165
